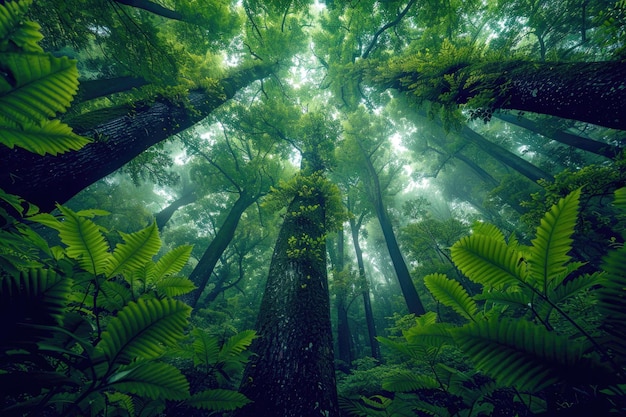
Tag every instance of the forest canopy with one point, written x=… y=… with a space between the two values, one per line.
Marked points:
x=303 y=208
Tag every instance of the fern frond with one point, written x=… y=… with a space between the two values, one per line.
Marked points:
x=84 y=241
x=514 y=296
x=218 y=400
x=155 y=380
x=143 y=328
x=15 y=31
x=172 y=262
x=174 y=286
x=44 y=86
x=612 y=300
x=488 y=261
x=573 y=287
x=436 y=335
x=488 y=229
x=235 y=345
x=125 y=402
x=407 y=381
x=137 y=249
x=114 y=295
x=205 y=347
x=47 y=137
x=620 y=199
x=451 y=294
x=553 y=242
x=520 y=354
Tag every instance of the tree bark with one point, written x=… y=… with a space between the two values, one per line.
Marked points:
x=164 y=216
x=118 y=138
x=90 y=89
x=152 y=8
x=413 y=302
x=367 y=302
x=599 y=148
x=592 y=92
x=343 y=327
x=203 y=270
x=291 y=373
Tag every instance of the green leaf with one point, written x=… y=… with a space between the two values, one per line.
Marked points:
x=436 y=334
x=620 y=199
x=205 y=347
x=521 y=354
x=488 y=229
x=155 y=380
x=218 y=400
x=235 y=345
x=174 y=286
x=51 y=137
x=143 y=328
x=488 y=261
x=44 y=86
x=14 y=30
x=407 y=381
x=173 y=261
x=451 y=294
x=84 y=242
x=137 y=249
x=553 y=242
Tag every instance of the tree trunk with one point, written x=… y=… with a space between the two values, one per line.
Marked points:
x=411 y=297
x=367 y=303
x=152 y=7
x=593 y=92
x=203 y=270
x=578 y=142
x=119 y=136
x=291 y=373
x=90 y=89
x=343 y=327
x=164 y=216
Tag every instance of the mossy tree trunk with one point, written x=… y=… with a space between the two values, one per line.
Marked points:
x=291 y=373
x=119 y=136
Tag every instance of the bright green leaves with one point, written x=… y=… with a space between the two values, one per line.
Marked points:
x=144 y=329
x=218 y=400
x=137 y=249
x=549 y=251
x=154 y=380
x=34 y=88
x=451 y=294
x=521 y=354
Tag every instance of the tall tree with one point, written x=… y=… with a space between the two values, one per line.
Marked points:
x=291 y=373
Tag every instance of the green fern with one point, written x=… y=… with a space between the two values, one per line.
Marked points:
x=553 y=242
x=218 y=400
x=137 y=249
x=34 y=88
x=143 y=329
x=407 y=381
x=521 y=354
x=488 y=261
x=451 y=294
x=172 y=262
x=205 y=347
x=155 y=380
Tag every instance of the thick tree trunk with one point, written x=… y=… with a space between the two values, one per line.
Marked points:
x=343 y=327
x=164 y=216
x=578 y=142
x=504 y=156
x=291 y=373
x=593 y=92
x=203 y=270
x=367 y=303
x=411 y=297
x=46 y=180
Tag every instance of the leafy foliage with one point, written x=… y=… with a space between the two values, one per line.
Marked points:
x=35 y=86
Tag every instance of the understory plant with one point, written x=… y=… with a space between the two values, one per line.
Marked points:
x=529 y=347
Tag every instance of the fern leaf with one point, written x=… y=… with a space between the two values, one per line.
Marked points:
x=51 y=137
x=488 y=261
x=488 y=229
x=451 y=294
x=553 y=242
x=172 y=262
x=137 y=249
x=620 y=199
x=514 y=296
x=44 y=86
x=174 y=286
x=143 y=328
x=205 y=347
x=84 y=241
x=571 y=288
x=124 y=401
x=113 y=295
x=407 y=381
x=14 y=30
x=155 y=380
x=218 y=400
x=235 y=345
x=520 y=354
x=437 y=334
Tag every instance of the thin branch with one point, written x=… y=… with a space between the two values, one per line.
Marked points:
x=391 y=24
